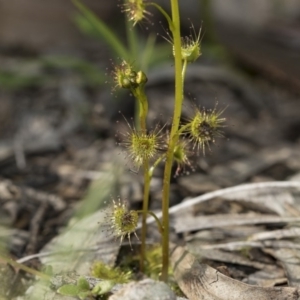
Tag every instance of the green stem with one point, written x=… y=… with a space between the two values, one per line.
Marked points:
x=137 y=118
x=140 y=95
x=183 y=72
x=208 y=20
x=183 y=128
x=145 y=210
x=133 y=48
x=23 y=267
x=165 y=14
x=151 y=170
x=173 y=137
x=160 y=228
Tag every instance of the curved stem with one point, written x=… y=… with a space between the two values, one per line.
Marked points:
x=173 y=137
x=164 y=13
x=182 y=128
x=159 y=225
x=152 y=168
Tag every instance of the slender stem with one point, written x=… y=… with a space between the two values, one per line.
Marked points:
x=137 y=119
x=165 y=14
x=183 y=128
x=23 y=267
x=140 y=95
x=155 y=164
x=183 y=72
x=145 y=209
x=160 y=228
x=173 y=137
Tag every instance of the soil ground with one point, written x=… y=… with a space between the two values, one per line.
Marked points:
x=58 y=134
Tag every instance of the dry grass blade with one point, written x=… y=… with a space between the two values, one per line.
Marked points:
x=247 y=191
x=276 y=234
x=184 y=224
x=240 y=245
x=201 y=282
x=290 y=259
x=253 y=191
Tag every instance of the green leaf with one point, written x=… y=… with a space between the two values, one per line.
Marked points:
x=133 y=41
x=109 y=37
x=47 y=269
x=69 y=290
x=13 y=81
x=86 y=27
x=91 y=74
x=148 y=51
x=83 y=295
x=103 y=287
x=83 y=284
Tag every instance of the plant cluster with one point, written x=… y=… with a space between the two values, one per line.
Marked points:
x=148 y=148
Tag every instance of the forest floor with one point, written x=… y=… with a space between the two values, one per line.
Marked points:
x=59 y=159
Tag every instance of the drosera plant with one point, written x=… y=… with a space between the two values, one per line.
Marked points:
x=143 y=143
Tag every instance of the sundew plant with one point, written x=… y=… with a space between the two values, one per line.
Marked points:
x=150 y=147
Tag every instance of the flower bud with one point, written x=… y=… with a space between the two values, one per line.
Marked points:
x=141 y=78
x=127 y=78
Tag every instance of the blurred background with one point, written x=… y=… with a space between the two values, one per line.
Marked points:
x=48 y=25
x=260 y=34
